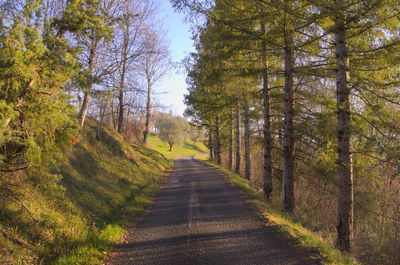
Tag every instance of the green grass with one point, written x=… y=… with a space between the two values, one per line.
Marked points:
x=292 y=229
x=186 y=149
x=104 y=182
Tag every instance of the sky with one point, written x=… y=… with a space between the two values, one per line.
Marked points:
x=171 y=89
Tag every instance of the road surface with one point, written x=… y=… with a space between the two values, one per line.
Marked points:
x=196 y=218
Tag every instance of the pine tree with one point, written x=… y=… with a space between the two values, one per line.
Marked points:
x=36 y=116
x=91 y=22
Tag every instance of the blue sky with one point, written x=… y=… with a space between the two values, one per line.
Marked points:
x=171 y=89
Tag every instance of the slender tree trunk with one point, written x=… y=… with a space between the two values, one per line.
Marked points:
x=345 y=176
x=211 y=143
x=86 y=99
x=230 y=151
x=288 y=141
x=217 y=141
x=122 y=85
x=246 y=121
x=170 y=147
x=84 y=109
x=113 y=112
x=148 y=113
x=102 y=110
x=237 y=139
x=121 y=111
x=267 y=174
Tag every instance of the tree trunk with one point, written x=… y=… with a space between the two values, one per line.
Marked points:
x=86 y=99
x=170 y=147
x=217 y=142
x=267 y=174
x=211 y=143
x=84 y=109
x=148 y=110
x=237 y=138
x=288 y=141
x=122 y=89
x=230 y=151
x=345 y=176
x=113 y=112
x=246 y=121
x=121 y=111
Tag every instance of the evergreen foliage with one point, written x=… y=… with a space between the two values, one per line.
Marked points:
x=36 y=117
x=326 y=98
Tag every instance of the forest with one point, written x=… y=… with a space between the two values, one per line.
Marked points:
x=302 y=98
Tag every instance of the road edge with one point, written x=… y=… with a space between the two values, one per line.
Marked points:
x=291 y=229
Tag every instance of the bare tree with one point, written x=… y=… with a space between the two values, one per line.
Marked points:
x=131 y=44
x=155 y=66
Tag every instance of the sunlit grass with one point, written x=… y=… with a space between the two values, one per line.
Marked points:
x=202 y=156
x=305 y=238
x=104 y=183
x=188 y=148
x=122 y=179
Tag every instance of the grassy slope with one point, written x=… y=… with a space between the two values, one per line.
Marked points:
x=186 y=149
x=104 y=183
x=291 y=228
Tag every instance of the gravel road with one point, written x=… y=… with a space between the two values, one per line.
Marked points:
x=196 y=218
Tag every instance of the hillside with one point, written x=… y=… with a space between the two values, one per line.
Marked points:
x=103 y=182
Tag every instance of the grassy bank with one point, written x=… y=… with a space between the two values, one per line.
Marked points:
x=103 y=182
x=186 y=149
x=292 y=229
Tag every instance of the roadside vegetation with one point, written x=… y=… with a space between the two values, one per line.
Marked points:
x=103 y=182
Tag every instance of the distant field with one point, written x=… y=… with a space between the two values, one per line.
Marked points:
x=186 y=149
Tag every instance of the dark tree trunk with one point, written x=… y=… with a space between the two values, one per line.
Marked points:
x=246 y=121
x=237 y=139
x=113 y=112
x=267 y=174
x=217 y=141
x=121 y=96
x=288 y=140
x=345 y=176
x=148 y=113
x=230 y=151
x=170 y=147
x=211 y=143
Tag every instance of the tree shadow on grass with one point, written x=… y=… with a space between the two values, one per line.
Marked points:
x=194 y=147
